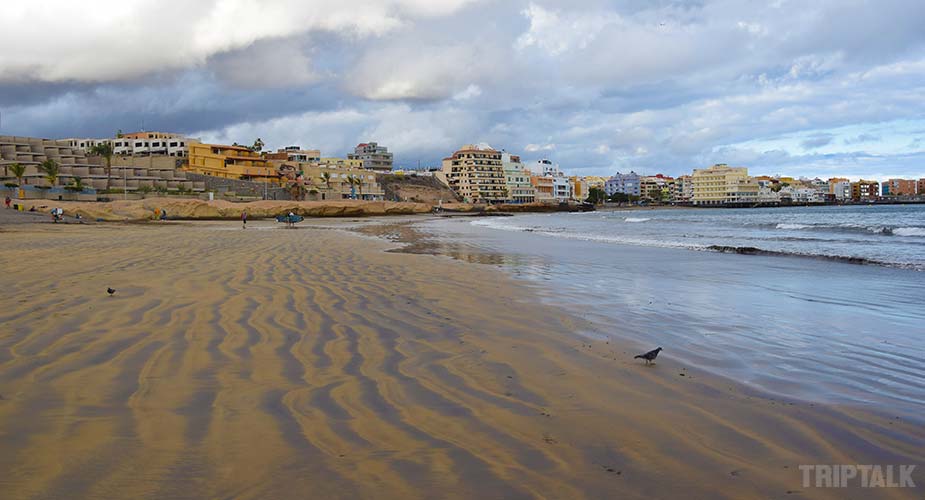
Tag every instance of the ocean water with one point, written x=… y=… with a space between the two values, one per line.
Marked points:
x=829 y=306
x=892 y=235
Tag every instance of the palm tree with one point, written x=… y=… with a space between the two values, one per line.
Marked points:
x=352 y=180
x=19 y=171
x=77 y=185
x=359 y=182
x=105 y=150
x=258 y=145
x=51 y=169
x=326 y=178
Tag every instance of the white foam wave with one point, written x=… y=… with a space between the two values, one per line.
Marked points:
x=636 y=219
x=792 y=226
x=909 y=231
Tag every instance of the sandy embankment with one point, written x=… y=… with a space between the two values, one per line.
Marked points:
x=194 y=209
x=308 y=363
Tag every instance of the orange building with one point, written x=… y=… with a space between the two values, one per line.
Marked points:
x=230 y=162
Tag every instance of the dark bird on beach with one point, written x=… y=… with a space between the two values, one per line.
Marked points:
x=110 y=291
x=649 y=356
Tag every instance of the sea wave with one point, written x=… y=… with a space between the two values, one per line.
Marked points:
x=665 y=243
x=837 y=258
x=636 y=219
x=909 y=231
x=849 y=228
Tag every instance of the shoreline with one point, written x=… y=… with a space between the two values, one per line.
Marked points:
x=415 y=240
x=299 y=356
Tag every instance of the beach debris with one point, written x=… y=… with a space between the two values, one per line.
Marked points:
x=650 y=356
x=611 y=470
x=110 y=291
x=549 y=439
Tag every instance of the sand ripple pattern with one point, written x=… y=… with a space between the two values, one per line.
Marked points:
x=309 y=363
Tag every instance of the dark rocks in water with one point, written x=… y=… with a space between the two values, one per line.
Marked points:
x=759 y=251
x=739 y=250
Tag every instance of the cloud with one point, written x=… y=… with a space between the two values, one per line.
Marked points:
x=661 y=86
x=817 y=141
x=533 y=148
x=61 y=40
x=861 y=138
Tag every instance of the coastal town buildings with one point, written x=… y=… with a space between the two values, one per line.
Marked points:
x=230 y=162
x=139 y=144
x=322 y=181
x=898 y=187
x=544 y=188
x=579 y=188
x=920 y=187
x=864 y=190
x=341 y=162
x=517 y=179
x=656 y=187
x=373 y=156
x=628 y=184
x=683 y=189
x=475 y=172
x=296 y=154
x=75 y=166
x=722 y=184
x=594 y=181
x=840 y=188
x=561 y=187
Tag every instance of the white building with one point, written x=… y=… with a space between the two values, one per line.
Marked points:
x=163 y=145
x=561 y=187
x=517 y=177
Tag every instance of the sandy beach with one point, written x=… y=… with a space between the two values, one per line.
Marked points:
x=310 y=363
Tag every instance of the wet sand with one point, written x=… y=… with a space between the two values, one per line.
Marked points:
x=310 y=363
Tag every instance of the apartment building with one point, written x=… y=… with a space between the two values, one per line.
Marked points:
x=73 y=163
x=840 y=188
x=580 y=189
x=656 y=187
x=722 y=184
x=295 y=154
x=139 y=144
x=475 y=172
x=561 y=187
x=517 y=178
x=683 y=189
x=230 y=162
x=544 y=188
x=863 y=190
x=898 y=187
x=373 y=156
x=628 y=184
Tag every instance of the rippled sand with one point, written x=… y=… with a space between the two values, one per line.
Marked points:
x=310 y=363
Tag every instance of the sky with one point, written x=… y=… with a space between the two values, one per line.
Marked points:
x=791 y=87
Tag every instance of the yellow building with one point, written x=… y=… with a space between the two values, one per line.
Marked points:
x=341 y=162
x=580 y=189
x=594 y=181
x=722 y=184
x=476 y=173
x=230 y=162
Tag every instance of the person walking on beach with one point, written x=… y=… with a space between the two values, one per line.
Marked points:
x=7 y=201
x=244 y=219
